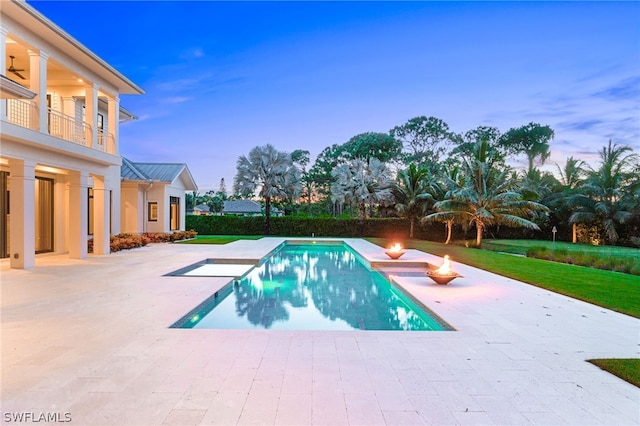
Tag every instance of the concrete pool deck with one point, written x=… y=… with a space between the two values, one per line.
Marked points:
x=90 y=338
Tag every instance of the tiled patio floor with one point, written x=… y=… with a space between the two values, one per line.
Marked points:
x=90 y=338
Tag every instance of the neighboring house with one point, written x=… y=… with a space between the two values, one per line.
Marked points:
x=59 y=124
x=201 y=209
x=153 y=196
x=246 y=208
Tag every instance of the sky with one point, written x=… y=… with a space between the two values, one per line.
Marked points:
x=223 y=77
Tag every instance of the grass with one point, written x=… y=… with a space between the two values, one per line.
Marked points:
x=521 y=246
x=612 y=290
x=610 y=258
x=626 y=368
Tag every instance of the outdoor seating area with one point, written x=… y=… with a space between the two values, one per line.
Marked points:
x=77 y=341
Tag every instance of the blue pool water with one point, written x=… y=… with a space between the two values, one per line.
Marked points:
x=312 y=287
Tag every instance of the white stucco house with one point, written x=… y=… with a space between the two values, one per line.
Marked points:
x=60 y=162
x=153 y=196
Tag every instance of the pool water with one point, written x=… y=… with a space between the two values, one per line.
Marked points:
x=312 y=287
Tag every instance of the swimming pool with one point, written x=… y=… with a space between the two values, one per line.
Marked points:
x=312 y=287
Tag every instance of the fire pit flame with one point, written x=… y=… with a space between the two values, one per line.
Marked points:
x=444 y=274
x=445 y=268
x=395 y=251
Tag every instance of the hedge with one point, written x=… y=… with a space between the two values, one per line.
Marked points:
x=291 y=226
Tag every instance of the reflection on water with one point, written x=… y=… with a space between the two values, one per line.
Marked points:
x=316 y=287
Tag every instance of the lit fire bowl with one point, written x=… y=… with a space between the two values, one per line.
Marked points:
x=442 y=279
x=395 y=251
x=444 y=274
x=394 y=254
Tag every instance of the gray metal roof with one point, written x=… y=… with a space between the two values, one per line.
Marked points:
x=241 y=206
x=162 y=172
x=130 y=172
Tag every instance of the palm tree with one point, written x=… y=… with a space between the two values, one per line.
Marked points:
x=571 y=177
x=271 y=173
x=361 y=182
x=411 y=192
x=441 y=188
x=487 y=196
x=605 y=193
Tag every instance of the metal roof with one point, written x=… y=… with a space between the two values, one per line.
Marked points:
x=241 y=206
x=161 y=172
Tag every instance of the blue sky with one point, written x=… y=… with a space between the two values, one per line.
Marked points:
x=223 y=77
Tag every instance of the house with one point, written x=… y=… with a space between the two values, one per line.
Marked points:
x=201 y=210
x=246 y=208
x=153 y=196
x=62 y=178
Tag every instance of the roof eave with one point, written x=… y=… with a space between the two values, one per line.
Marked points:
x=128 y=88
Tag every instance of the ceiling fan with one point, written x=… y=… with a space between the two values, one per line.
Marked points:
x=14 y=70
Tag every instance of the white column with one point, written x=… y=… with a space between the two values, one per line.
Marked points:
x=3 y=67
x=101 y=216
x=78 y=211
x=91 y=112
x=38 y=84
x=113 y=123
x=23 y=222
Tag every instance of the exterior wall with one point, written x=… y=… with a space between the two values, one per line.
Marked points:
x=131 y=208
x=176 y=190
x=53 y=137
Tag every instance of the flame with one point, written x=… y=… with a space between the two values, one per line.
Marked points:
x=395 y=248
x=445 y=268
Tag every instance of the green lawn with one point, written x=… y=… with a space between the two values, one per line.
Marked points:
x=626 y=368
x=612 y=290
x=521 y=246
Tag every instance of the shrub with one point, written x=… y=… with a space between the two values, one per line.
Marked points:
x=127 y=241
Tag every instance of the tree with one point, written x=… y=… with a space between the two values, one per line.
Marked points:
x=571 y=178
x=301 y=158
x=222 y=190
x=487 y=197
x=366 y=146
x=271 y=173
x=411 y=192
x=424 y=138
x=360 y=182
x=449 y=180
x=531 y=140
x=192 y=199
x=606 y=195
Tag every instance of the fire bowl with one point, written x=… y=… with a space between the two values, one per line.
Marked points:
x=441 y=278
x=394 y=254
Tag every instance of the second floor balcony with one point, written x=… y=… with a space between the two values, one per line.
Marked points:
x=25 y=113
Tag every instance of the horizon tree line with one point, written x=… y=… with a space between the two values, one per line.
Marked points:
x=424 y=172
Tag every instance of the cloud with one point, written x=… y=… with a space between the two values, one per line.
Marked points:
x=176 y=99
x=193 y=53
x=627 y=89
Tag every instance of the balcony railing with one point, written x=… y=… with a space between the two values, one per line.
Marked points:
x=24 y=113
x=66 y=127
x=106 y=141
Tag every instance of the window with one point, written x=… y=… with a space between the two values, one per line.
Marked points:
x=152 y=211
